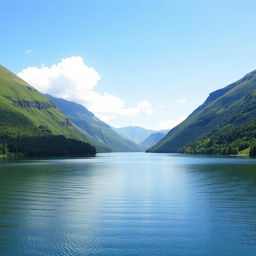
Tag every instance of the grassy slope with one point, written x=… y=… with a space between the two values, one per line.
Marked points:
x=16 y=120
x=95 y=130
x=223 y=109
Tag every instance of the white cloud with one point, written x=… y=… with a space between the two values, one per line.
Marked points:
x=145 y=106
x=73 y=80
x=182 y=101
x=28 y=51
x=169 y=124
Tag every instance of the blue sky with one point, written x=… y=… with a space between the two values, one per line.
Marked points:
x=157 y=60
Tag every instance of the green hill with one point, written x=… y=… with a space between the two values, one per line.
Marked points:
x=98 y=132
x=224 y=109
x=25 y=112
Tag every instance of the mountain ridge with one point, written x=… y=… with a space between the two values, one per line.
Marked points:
x=232 y=104
x=98 y=132
x=152 y=139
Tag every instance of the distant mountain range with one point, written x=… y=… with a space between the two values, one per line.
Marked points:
x=96 y=131
x=136 y=133
x=152 y=139
x=223 y=124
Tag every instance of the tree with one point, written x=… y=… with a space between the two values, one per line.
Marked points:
x=253 y=150
x=4 y=149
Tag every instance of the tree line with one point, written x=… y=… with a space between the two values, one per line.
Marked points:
x=45 y=146
x=231 y=141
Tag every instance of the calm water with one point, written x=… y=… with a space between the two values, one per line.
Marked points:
x=128 y=204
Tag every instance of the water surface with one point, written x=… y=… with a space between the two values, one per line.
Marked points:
x=128 y=204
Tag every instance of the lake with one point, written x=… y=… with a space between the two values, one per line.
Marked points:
x=128 y=204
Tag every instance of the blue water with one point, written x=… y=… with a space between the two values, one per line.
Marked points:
x=128 y=204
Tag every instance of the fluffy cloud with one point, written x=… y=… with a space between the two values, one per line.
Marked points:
x=73 y=80
x=169 y=124
x=182 y=101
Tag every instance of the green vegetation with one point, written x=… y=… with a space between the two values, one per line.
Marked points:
x=253 y=150
x=233 y=141
x=24 y=112
x=224 y=112
x=98 y=132
x=4 y=151
x=45 y=146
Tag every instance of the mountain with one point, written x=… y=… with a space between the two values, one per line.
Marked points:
x=152 y=139
x=26 y=115
x=228 y=108
x=134 y=133
x=98 y=132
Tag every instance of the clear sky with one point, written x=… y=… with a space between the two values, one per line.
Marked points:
x=132 y=62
